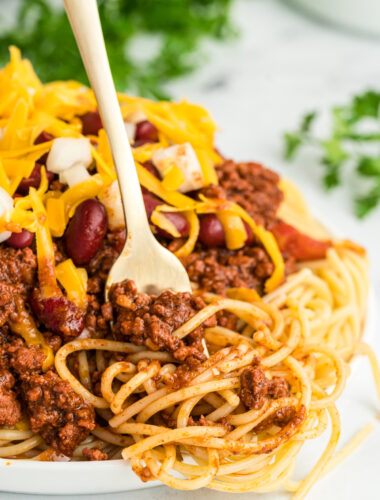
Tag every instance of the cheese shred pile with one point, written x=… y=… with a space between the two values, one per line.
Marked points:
x=29 y=108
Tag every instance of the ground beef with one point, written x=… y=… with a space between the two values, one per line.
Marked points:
x=100 y=265
x=24 y=359
x=215 y=270
x=10 y=410
x=252 y=186
x=17 y=276
x=256 y=388
x=151 y=320
x=18 y=267
x=55 y=411
x=201 y=420
x=98 y=270
x=94 y=454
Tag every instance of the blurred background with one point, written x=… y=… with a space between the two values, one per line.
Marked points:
x=292 y=84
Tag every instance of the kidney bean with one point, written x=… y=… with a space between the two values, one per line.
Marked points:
x=43 y=137
x=58 y=314
x=91 y=123
x=151 y=169
x=211 y=232
x=86 y=231
x=20 y=240
x=34 y=179
x=146 y=131
x=177 y=219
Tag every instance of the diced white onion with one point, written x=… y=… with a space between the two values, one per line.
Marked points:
x=130 y=128
x=6 y=203
x=185 y=158
x=111 y=199
x=74 y=175
x=68 y=152
x=4 y=236
x=136 y=117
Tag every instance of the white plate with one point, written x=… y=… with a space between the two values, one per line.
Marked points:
x=57 y=478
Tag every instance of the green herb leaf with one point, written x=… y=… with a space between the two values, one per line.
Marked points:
x=342 y=146
x=177 y=28
x=366 y=203
x=370 y=167
x=307 y=121
x=292 y=143
x=366 y=104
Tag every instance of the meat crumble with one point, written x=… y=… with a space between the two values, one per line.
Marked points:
x=55 y=411
x=250 y=185
x=150 y=320
x=256 y=388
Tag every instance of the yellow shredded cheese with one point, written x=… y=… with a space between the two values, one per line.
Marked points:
x=188 y=247
x=234 y=229
x=245 y=294
x=173 y=178
x=73 y=281
x=152 y=184
x=44 y=242
x=89 y=188
x=56 y=216
x=158 y=219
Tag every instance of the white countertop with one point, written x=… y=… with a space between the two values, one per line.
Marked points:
x=256 y=88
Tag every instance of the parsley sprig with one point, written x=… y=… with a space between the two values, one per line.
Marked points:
x=354 y=141
x=176 y=27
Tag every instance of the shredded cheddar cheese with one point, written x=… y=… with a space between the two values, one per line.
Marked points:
x=29 y=107
x=74 y=282
x=56 y=216
x=234 y=229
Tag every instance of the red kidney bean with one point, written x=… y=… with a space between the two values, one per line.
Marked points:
x=43 y=137
x=146 y=131
x=211 y=232
x=91 y=123
x=34 y=179
x=86 y=231
x=58 y=314
x=177 y=219
x=151 y=169
x=20 y=240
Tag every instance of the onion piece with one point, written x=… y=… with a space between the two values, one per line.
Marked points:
x=136 y=117
x=74 y=175
x=6 y=203
x=68 y=152
x=111 y=199
x=184 y=157
x=130 y=128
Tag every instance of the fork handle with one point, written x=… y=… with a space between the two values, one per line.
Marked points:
x=84 y=19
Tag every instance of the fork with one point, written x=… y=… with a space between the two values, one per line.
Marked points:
x=152 y=267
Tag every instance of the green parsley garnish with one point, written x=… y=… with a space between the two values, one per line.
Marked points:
x=354 y=142
x=175 y=28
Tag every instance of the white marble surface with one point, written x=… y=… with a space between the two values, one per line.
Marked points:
x=284 y=64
